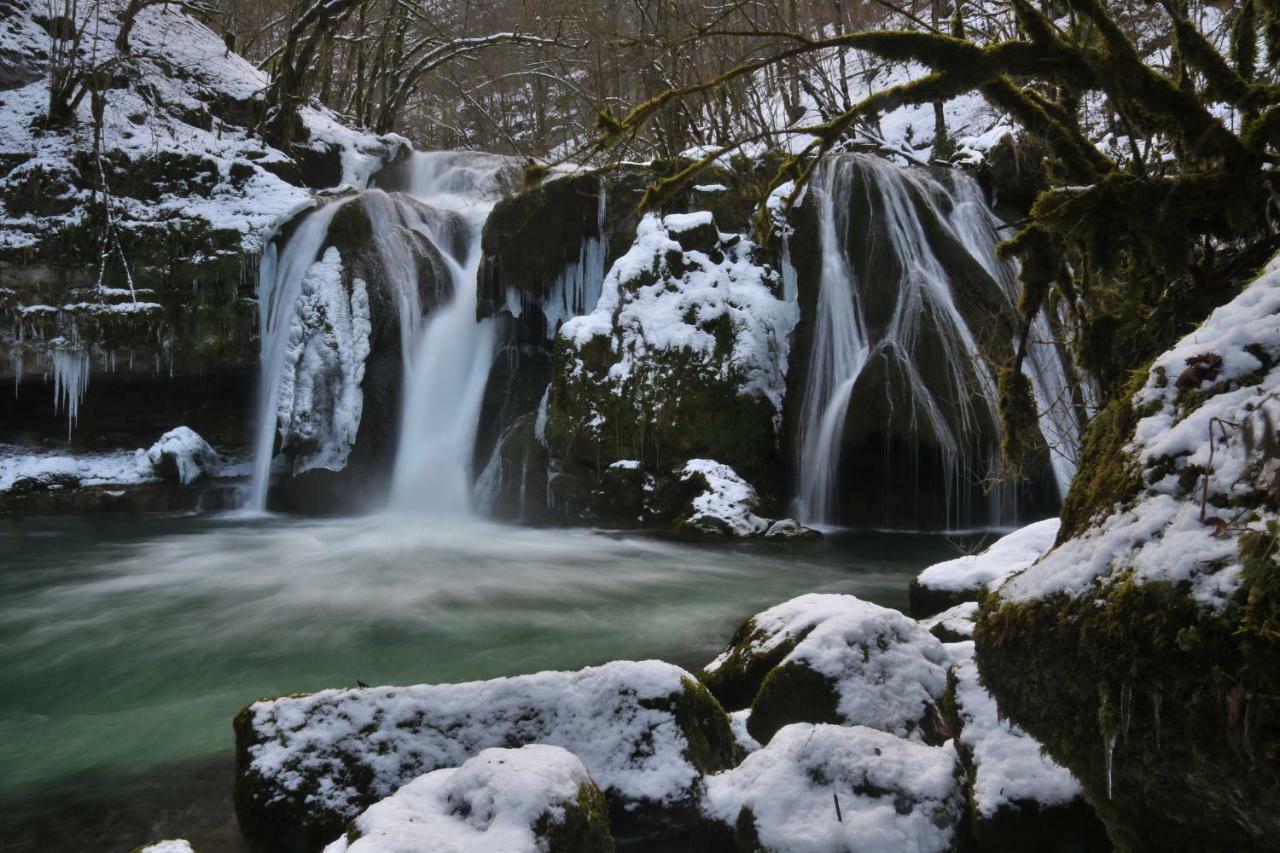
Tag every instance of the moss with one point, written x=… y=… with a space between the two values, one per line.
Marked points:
x=705 y=726
x=1164 y=710
x=1107 y=475
x=583 y=828
x=792 y=693
x=737 y=680
x=1019 y=423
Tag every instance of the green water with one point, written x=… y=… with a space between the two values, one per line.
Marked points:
x=127 y=646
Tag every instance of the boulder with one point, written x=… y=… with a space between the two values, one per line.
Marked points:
x=645 y=731
x=946 y=584
x=832 y=659
x=181 y=456
x=684 y=357
x=955 y=624
x=836 y=788
x=1143 y=651
x=535 y=799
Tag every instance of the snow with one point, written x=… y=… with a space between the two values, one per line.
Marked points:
x=609 y=716
x=1007 y=555
x=191 y=455
x=958 y=620
x=887 y=669
x=1008 y=766
x=177 y=845
x=320 y=398
x=1161 y=535
x=738 y=723
x=491 y=803
x=647 y=309
x=894 y=796
x=47 y=468
x=726 y=503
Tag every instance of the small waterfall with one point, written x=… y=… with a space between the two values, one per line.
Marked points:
x=910 y=209
x=839 y=349
x=445 y=355
x=279 y=285
x=444 y=387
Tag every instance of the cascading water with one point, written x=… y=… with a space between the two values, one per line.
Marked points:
x=907 y=206
x=446 y=354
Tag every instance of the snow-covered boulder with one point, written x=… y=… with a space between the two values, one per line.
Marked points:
x=535 y=799
x=946 y=584
x=182 y=456
x=830 y=789
x=172 y=845
x=725 y=504
x=832 y=659
x=1020 y=798
x=1143 y=651
x=646 y=732
x=684 y=355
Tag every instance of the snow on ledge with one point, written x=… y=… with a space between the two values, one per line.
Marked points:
x=1007 y=555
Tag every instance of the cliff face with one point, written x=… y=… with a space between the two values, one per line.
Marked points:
x=130 y=230
x=1142 y=651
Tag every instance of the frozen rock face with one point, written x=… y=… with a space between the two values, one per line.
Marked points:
x=832 y=659
x=159 y=308
x=823 y=788
x=536 y=799
x=646 y=732
x=684 y=356
x=946 y=584
x=182 y=456
x=1142 y=651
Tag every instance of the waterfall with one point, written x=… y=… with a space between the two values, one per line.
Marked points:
x=444 y=386
x=446 y=354
x=910 y=213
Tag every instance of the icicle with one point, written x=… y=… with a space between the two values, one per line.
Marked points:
x=16 y=359
x=1108 y=758
x=70 y=382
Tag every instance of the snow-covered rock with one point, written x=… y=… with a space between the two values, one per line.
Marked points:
x=825 y=789
x=831 y=658
x=1016 y=791
x=28 y=469
x=966 y=578
x=535 y=799
x=646 y=732
x=182 y=456
x=726 y=503
x=684 y=355
x=172 y=845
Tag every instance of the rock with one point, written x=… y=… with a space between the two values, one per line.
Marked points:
x=790 y=530
x=181 y=456
x=645 y=731
x=944 y=585
x=1143 y=651
x=684 y=357
x=835 y=788
x=536 y=799
x=722 y=505
x=1020 y=799
x=177 y=845
x=832 y=659
x=954 y=625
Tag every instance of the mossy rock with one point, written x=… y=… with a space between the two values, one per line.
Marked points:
x=925 y=601
x=1164 y=709
x=737 y=678
x=793 y=693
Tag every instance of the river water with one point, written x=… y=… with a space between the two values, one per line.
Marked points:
x=127 y=645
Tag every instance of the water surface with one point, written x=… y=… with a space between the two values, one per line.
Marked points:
x=127 y=645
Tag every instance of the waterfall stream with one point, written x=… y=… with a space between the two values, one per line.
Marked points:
x=908 y=207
